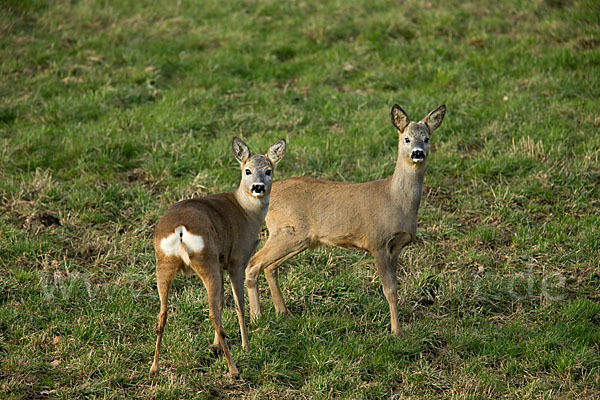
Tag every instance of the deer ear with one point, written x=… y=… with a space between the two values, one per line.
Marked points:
x=277 y=151
x=240 y=150
x=434 y=119
x=399 y=118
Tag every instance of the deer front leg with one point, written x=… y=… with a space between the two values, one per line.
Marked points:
x=386 y=269
x=213 y=283
x=216 y=346
x=236 y=275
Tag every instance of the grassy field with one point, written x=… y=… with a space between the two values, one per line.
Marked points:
x=110 y=111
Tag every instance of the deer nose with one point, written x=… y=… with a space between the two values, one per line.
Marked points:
x=417 y=154
x=258 y=188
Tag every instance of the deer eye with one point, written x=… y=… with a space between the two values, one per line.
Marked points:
x=268 y=172
x=426 y=140
x=406 y=140
x=248 y=172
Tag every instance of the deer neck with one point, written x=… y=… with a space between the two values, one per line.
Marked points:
x=406 y=185
x=254 y=207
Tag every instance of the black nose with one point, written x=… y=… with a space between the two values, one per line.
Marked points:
x=258 y=188
x=418 y=154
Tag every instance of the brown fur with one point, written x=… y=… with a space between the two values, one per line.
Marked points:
x=228 y=224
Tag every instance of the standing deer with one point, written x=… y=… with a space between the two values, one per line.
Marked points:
x=379 y=216
x=214 y=233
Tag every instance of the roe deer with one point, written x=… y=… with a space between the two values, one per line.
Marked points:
x=215 y=233
x=379 y=216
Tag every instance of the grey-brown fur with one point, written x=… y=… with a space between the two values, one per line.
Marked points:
x=379 y=217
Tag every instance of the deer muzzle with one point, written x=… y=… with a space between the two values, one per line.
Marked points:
x=258 y=189
x=418 y=155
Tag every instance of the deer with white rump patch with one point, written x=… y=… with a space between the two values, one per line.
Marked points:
x=214 y=233
x=379 y=216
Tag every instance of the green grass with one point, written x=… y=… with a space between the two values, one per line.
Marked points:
x=110 y=111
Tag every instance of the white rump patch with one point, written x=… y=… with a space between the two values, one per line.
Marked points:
x=171 y=244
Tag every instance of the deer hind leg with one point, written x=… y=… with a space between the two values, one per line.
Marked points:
x=212 y=277
x=276 y=250
x=166 y=268
x=272 y=275
x=386 y=268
